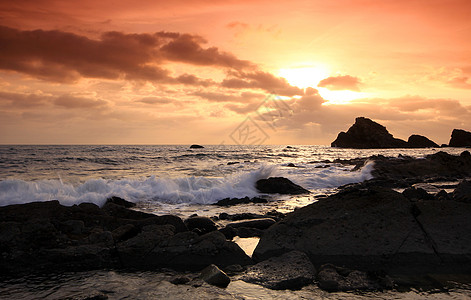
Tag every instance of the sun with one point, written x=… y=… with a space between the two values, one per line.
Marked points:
x=310 y=76
x=304 y=77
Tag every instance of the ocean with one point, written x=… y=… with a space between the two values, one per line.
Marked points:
x=174 y=179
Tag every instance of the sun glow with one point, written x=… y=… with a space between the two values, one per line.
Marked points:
x=304 y=77
x=340 y=97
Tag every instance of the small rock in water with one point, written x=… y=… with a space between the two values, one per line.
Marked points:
x=194 y=146
x=235 y=201
x=232 y=163
x=215 y=276
x=279 y=185
x=291 y=165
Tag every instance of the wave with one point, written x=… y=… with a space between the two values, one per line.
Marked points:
x=194 y=189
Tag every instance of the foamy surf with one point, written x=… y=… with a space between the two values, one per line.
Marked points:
x=182 y=190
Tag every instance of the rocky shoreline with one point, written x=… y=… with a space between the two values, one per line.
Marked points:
x=366 y=236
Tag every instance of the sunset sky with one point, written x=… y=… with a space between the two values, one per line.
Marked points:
x=200 y=71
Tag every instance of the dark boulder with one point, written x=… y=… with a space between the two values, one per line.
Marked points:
x=236 y=201
x=462 y=193
x=292 y=270
x=415 y=194
x=336 y=279
x=120 y=201
x=366 y=134
x=215 y=276
x=203 y=224
x=279 y=185
x=419 y=141
x=262 y=223
x=194 y=146
x=460 y=138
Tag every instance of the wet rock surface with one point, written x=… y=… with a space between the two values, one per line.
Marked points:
x=279 y=185
x=375 y=228
x=50 y=236
x=292 y=270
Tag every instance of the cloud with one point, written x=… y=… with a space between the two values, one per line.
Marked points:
x=23 y=100
x=463 y=82
x=66 y=57
x=261 y=80
x=338 y=83
x=35 y=100
x=155 y=100
x=245 y=97
x=190 y=79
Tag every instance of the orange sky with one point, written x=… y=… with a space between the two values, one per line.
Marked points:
x=200 y=71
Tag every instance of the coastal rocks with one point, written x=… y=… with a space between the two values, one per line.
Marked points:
x=336 y=279
x=292 y=270
x=214 y=276
x=460 y=138
x=438 y=165
x=194 y=146
x=419 y=141
x=375 y=229
x=201 y=224
x=236 y=201
x=365 y=134
x=462 y=193
x=279 y=185
x=262 y=223
x=50 y=236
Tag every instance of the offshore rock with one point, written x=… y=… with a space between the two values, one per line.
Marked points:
x=279 y=185
x=366 y=134
x=194 y=146
x=376 y=229
x=419 y=141
x=292 y=270
x=460 y=138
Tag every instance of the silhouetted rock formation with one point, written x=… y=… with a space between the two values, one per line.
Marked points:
x=419 y=141
x=376 y=229
x=196 y=147
x=460 y=138
x=365 y=134
x=50 y=236
x=279 y=185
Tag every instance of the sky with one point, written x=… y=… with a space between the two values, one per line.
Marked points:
x=231 y=72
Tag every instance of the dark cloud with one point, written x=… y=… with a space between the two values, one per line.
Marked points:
x=337 y=83
x=261 y=80
x=190 y=79
x=66 y=57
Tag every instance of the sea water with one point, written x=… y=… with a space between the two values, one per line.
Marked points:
x=175 y=179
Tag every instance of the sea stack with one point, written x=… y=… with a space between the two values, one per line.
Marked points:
x=367 y=134
x=460 y=138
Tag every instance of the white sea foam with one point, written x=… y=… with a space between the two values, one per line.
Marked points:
x=183 y=190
